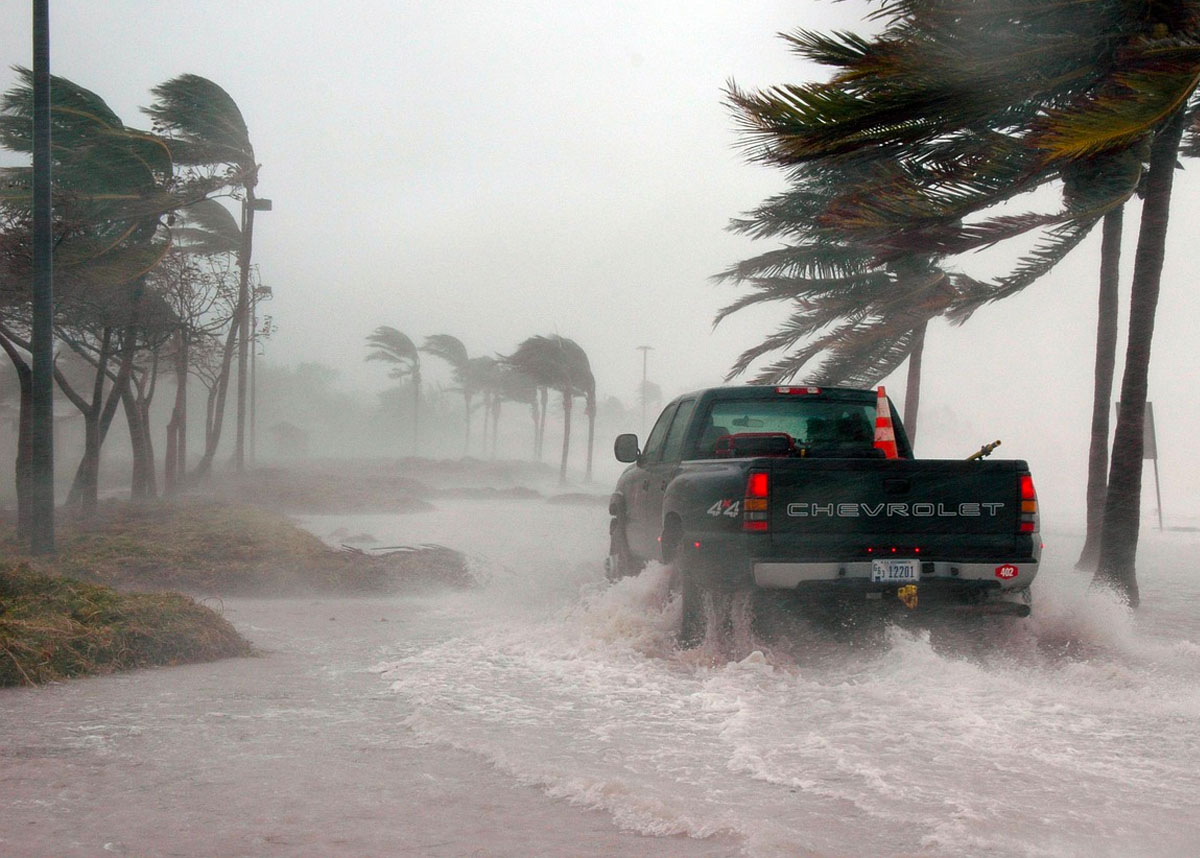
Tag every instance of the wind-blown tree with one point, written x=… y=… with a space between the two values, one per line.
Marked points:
x=505 y=384
x=584 y=382
x=192 y=279
x=482 y=374
x=557 y=363
x=1058 y=86
x=113 y=184
x=395 y=348
x=452 y=351
x=864 y=314
x=206 y=237
x=204 y=128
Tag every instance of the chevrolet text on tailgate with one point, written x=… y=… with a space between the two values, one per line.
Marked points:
x=815 y=491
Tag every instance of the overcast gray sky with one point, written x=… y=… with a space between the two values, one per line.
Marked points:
x=495 y=170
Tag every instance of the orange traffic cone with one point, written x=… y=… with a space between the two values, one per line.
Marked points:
x=885 y=435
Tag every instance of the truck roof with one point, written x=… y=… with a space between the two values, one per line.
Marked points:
x=762 y=391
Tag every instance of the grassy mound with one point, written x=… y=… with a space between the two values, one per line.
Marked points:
x=213 y=548
x=71 y=614
x=53 y=628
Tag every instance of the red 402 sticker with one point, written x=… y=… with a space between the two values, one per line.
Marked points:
x=1007 y=571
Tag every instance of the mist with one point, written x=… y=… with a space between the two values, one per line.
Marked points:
x=500 y=171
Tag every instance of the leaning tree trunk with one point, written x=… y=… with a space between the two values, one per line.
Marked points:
x=24 y=465
x=591 y=416
x=497 y=402
x=1106 y=361
x=533 y=407
x=97 y=418
x=544 y=394
x=416 y=380
x=467 y=439
x=143 y=485
x=176 y=453
x=1123 y=504
x=212 y=435
x=566 y=445
x=912 y=393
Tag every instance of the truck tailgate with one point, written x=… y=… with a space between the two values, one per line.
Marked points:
x=939 y=506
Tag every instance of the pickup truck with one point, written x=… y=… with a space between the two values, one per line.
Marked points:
x=805 y=490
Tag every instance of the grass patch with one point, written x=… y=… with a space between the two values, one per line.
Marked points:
x=54 y=628
x=213 y=548
x=72 y=615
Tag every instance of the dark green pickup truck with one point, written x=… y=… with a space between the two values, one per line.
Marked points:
x=816 y=491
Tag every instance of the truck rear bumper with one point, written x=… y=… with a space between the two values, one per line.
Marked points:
x=931 y=593
x=990 y=578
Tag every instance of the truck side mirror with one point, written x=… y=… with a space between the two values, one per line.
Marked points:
x=626 y=448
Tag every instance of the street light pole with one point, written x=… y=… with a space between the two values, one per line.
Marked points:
x=645 y=350
x=41 y=422
x=250 y=205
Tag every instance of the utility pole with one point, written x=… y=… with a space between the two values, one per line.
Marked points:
x=250 y=205
x=41 y=483
x=645 y=350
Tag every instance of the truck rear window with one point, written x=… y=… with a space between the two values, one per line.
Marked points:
x=820 y=426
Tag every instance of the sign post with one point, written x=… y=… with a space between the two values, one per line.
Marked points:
x=1150 y=451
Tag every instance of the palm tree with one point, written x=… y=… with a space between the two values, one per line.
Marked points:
x=393 y=347
x=584 y=382
x=1105 y=367
x=508 y=385
x=206 y=129
x=1058 y=87
x=557 y=363
x=863 y=308
x=452 y=351
x=1122 y=504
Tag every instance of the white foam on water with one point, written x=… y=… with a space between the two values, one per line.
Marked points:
x=1069 y=733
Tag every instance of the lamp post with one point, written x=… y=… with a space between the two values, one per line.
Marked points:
x=260 y=291
x=645 y=350
x=40 y=472
x=250 y=205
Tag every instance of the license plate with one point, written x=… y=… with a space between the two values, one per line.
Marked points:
x=889 y=571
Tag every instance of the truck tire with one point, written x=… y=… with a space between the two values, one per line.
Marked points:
x=703 y=604
x=694 y=623
x=620 y=562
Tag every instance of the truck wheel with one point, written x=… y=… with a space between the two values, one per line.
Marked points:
x=694 y=624
x=620 y=562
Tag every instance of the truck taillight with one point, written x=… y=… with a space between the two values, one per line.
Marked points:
x=754 y=506
x=1029 y=507
x=803 y=391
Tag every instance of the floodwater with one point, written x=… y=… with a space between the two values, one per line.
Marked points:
x=548 y=713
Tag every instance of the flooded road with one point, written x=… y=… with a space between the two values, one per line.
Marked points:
x=301 y=751
x=547 y=713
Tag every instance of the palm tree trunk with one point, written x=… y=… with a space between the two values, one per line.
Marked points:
x=467 y=440
x=1122 y=507
x=591 y=416
x=544 y=393
x=497 y=402
x=533 y=407
x=566 y=445
x=912 y=393
x=1106 y=360
x=416 y=381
